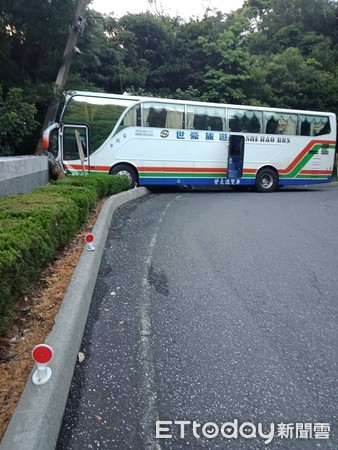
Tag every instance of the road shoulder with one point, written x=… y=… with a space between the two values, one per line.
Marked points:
x=37 y=418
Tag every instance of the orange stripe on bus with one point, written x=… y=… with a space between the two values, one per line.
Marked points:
x=79 y=167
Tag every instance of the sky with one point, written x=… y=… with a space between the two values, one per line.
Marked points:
x=183 y=8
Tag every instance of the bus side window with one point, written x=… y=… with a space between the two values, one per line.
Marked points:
x=235 y=123
x=245 y=121
x=325 y=130
x=156 y=117
x=163 y=115
x=132 y=118
x=281 y=123
x=206 y=118
x=305 y=128
x=314 y=125
x=271 y=126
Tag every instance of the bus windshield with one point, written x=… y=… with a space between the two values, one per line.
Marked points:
x=99 y=113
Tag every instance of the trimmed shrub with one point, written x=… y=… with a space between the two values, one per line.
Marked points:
x=34 y=226
x=104 y=185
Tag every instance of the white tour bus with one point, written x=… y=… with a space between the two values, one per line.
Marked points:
x=156 y=141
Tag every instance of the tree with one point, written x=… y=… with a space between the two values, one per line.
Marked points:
x=17 y=122
x=300 y=82
x=229 y=62
x=186 y=64
x=147 y=46
x=32 y=39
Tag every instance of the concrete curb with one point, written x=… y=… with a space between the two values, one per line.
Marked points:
x=37 y=419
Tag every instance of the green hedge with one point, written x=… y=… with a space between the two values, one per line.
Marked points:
x=34 y=226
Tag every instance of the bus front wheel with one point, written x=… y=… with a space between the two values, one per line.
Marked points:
x=128 y=171
x=266 y=180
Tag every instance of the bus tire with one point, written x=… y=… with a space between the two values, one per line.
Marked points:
x=125 y=169
x=266 y=180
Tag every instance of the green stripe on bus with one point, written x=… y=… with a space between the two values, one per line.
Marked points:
x=300 y=166
x=98 y=173
x=312 y=176
x=91 y=173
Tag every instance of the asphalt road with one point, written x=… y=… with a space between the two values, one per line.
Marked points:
x=212 y=307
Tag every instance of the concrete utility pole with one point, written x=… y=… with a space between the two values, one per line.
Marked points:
x=70 y=50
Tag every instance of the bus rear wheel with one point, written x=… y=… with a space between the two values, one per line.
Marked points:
x=128 y=171
x=266 y=180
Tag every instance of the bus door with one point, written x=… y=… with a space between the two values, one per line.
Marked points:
x=236 y=156
x=75 y=143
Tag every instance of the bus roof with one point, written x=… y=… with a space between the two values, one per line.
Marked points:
x=136 y=98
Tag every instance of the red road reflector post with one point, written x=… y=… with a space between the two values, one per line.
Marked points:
x=89 y=238
x=42 y=354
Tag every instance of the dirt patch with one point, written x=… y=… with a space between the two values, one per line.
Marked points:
x=33 y=320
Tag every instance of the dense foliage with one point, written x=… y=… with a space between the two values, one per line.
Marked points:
x=17 y=120
x=269 y=52
x=34 y=226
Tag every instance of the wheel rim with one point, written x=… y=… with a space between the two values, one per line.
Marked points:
x=266 y=181
x=127 y=174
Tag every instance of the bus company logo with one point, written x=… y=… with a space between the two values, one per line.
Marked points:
x=164 y=133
